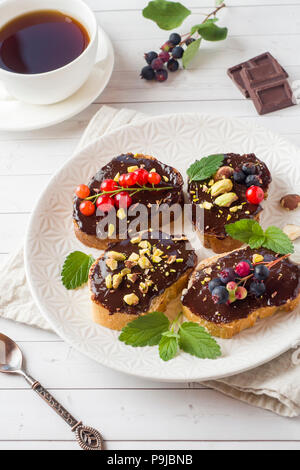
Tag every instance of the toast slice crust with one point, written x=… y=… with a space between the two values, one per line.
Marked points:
x=149 y=272
x=85 y=227
x=211 y=230
x=225 y=321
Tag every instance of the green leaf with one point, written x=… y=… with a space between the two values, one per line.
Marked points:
x=219 y=2
x=167 y=15
x=195 y=28
x=168 y=345
x=146 y=330
x=206 y=167
x=276 y=240
x=190 y=52
x=246 y=230
x=211 y=32
x=195 y=340
x=75 y=270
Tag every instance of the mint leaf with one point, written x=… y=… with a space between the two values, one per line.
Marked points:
x=211 y=32
x=168 y=345
x=195 y=340
x=276 y=240
x=195 y=28
x=146 y=330
x=75 y=270
x=167 y=15
x=206 y=167
x=246 y=230
x=190 y=52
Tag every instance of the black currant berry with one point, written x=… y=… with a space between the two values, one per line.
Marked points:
x=147 y=73
x=214 y=283
x=249 y=169
x=161 y=75
x=149 y=56
x=157 y=64
x=177 y=52
x=175 y=38
x=173 y=65
x=189 y=41
x=261 y=272
x=253 y=180
x=227 y=275
x=220 y=295
x=239 y=176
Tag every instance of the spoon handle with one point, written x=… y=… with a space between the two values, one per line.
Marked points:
x=88 y=438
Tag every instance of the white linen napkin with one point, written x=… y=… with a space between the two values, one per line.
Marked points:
x=274 y=386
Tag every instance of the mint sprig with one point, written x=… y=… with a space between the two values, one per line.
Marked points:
x=155 y=328
x=249 y=231
x=205 y=168
x=167 y=15
x=75 y=270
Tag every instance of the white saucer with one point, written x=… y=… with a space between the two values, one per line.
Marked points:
x=18 y=116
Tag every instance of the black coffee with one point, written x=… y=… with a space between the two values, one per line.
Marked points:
x=41 y=41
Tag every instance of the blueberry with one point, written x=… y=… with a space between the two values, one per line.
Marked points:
x=239 y=176
x=214 y=283
x=177 y=52
x=175 y=38
x=173 y=65
x=253 y=180
x=149 y=56
x=220 y=295
x=157 y=64
x=189 y=41
x=249 y=169
x=161 y=75
x=147 y=73
x=257 y=288
x=227 y=275
x=261 y=272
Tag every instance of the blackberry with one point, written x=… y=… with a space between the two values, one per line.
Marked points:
x=249 y=169
x=157 y=64
x=257 y=288
x=261 y=272
x=177 y=52
x=220 y=295
x=175 y=38
x=173 y=65
x=239 y=176
x=161 y=75
x=189 y=41
x=149 y=56
x=147 y=73
x=214 y=283
x=227 y=275
x=253 y=180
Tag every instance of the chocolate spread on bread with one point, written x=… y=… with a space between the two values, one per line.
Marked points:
x=216 y=218
x=282 y=285
x=173 y=260
x=120 y=164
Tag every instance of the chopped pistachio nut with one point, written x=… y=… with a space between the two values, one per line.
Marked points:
x=143 y=287
x=257 y=258
x=153 y=170
x=144 y=262
x=172 y=270
x=157 y=252
x=179 y=260
x=229 y=217
x=131 y=169
x=167 y=274
x=125 y=271
x=207 y=279
x=111 y=264
x=131 y=299
x=111 y=229
x=171 y=259
x=234 y=209
x=116 y=280
x=116 y=255
x=144 y=251
x=135 y=240
x=156 y=259
x=166 y=178
x=132 y=277
x=206 y=205
x=145 y=244
x=117 y=177
x=149 y=282
x=133 y=257
x=121 y=214
x=108 y=281
x=211 y=182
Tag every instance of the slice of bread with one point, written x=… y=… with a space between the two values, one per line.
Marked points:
x=211 y=229
x=85 y=227
x=227 y=320
x=137 y=276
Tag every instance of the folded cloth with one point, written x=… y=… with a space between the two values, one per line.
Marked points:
x=274 y=386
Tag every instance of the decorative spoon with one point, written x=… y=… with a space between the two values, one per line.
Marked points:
x=11 y=360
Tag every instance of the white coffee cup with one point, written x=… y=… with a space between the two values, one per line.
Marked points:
x=56 y=85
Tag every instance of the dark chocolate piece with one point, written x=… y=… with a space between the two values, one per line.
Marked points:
x=283 y=284
x=270 y=96
x=163 y=273
x=265 y=59
x=217 y=217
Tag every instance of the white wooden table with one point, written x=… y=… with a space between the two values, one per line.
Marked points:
x=132 y=413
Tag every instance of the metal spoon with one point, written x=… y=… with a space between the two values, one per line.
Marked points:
x=11 y=360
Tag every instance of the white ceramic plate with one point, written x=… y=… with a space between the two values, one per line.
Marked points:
x=18 y=116
x=176 y=140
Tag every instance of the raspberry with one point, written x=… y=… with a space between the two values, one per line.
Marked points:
x=175 y=38
x=157 y=64
x=177 y=52
x=149 y=56
x=147 y=73
x=164 y=56
x=161 y=75
x=173 y=65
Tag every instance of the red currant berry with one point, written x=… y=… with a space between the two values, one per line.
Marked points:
x=82 y=191
x=142 y=176
x=154 y=178
x=122 y=180
x=123 y=199
x=87 y=208
x=255 y=195
x=105 y=203
x=130 y=179
x=108 y=185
